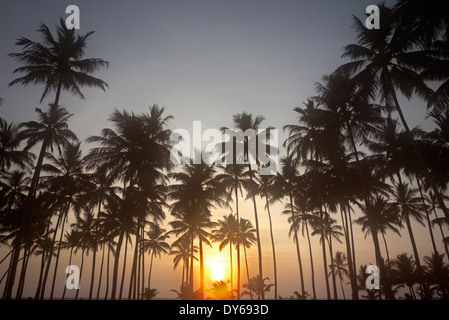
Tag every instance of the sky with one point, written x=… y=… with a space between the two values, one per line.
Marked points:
x=202 y=61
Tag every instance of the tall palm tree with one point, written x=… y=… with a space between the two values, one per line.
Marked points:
x=386 y=60
x=57 y=63
x=52 y=130
x=409 y=206
x=236 y=179
x=246 y=237
x=195 y=194
x=155 y=245
x=137 y=152
x=266 y=190
x=286 y=180
x=226 y=234
x=245 y=121
x=66 y=179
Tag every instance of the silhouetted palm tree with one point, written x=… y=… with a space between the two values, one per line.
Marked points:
x=257 y=285
x=226 y=234
x=386 y=60
x=245 y=121
x=195 y=194
x=405 y=272
x=51 y=130
x=57 y=62
x=9 y=144
x=409 y=206
x=437 y=273
x=155 y=245
x=221 y=291
x=339 y=267
x=246 y=237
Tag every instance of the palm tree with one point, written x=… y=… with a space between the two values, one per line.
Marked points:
x=181 y=251
x=155 y=245
x=246 y=237
x=9 y=143
x=384 y=218
x=287 y=181
x=266 y=186
x=66 y=179
x=226 y=234
x=52 y=130
x=137 y=153
x=409 y=206
x=339 y=267
x=437 y=273
x=57 y=62
x=257 y=285
x=245 y=121
x=235 y=179
x=385 y=60
x=195 y=195
x=220 y=290
x=405 y=272
x=361 y=279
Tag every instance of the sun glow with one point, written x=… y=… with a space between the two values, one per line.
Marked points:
x=217 y=273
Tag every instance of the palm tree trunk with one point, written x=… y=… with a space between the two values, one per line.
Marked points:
x=41 y=273
x=201 y=270
x=323 y=247
x=44 y=282
x=247 y=273
x=341 y=284
x=347 y=227
x=25 y=259
x=386 y=249
x=415 y=249
x=427 y=215
x=238 y=243
x=57 y=254
x=142 y=253
x=107 y=273
x=379 y=260
x=259 y=247
x=151 y=268
x=273 y=247
x=116 y=263
x=133 y=282
x=334 y=282
x=298 y=252
x=70 y=263
x=124 y=270
x=81 y=272
x=191 y=264
x=101 y=272
x=312 y=269
x=230 y=258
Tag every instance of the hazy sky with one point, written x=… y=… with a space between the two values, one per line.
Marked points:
x=202 y=60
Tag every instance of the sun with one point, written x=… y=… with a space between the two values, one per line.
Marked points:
x=217 y=273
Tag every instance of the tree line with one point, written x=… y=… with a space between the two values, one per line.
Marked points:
x=352 y=164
